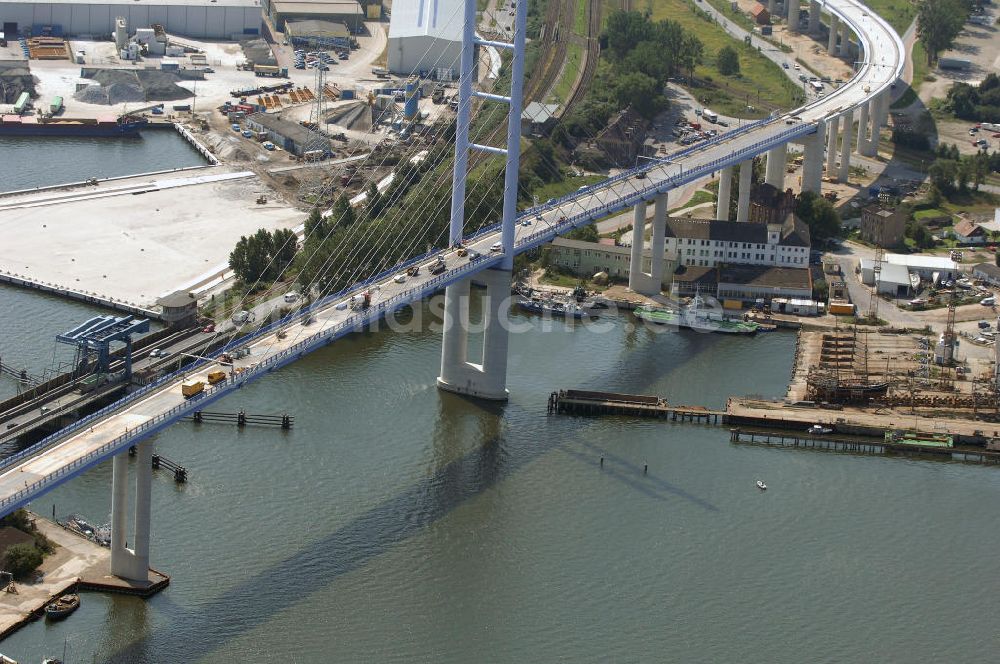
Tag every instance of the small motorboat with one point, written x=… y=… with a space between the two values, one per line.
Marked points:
x=62 y=607
x=818 y=429
x=761 y=485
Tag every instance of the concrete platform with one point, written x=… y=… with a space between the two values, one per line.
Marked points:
x=77 y=563
x=137 y=238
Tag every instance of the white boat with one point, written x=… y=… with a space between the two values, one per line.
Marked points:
x=761 y=485
x=817 y=429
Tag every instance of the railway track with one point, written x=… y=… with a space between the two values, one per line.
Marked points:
x=558 y=14
x=591 y=56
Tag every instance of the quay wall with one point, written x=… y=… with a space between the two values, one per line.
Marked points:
x=79 y=296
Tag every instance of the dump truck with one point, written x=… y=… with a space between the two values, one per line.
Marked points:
x=216 y=376
x=190 y=388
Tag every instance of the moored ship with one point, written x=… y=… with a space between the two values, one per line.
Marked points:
x=693 y=319
x=105 y=126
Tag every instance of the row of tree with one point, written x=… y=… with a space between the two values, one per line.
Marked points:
x=263 y=257
x=977 y=103
x=641 y=55
x=951 y=172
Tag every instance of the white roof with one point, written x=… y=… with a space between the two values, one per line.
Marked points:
x=148 y=3
x=440 y=19
x=921 y=262
x=891 y=272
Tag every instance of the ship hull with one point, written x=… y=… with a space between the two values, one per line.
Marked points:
x=129 y=130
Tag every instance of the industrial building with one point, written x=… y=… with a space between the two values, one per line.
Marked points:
x=883 y=226
x=744 y=283
x=288 y=135
x=426 y=38
x=324 y=35
x=204 y=19
x=348 y=12
x=901 y=274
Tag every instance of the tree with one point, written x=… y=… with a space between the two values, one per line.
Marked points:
x=586 y=233
x=942 y=173
x=728 y=61
x=342 y=213
x=819 y=215
x=315 y=223
x=21 y=559
x=938 y=23
x=285 y=245
x=625 y=30
x=642 y=93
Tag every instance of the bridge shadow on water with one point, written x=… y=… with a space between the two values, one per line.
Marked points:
x=447 y=486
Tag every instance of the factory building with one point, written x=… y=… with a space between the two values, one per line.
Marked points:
x=325 y=35
x=426 y=38
x=347 y=12
x=203 y=19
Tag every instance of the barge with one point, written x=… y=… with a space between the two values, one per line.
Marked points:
x=106 y=126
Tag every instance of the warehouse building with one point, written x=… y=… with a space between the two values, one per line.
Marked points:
x=324 y=35
x=203 y=19
x=290 y=136
x=348 y=12
x=426 y=38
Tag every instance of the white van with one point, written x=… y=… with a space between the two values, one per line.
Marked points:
x=711 y=116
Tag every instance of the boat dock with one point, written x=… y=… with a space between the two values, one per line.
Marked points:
x=583 y=402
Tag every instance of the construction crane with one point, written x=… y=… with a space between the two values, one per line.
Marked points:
x=876 y=274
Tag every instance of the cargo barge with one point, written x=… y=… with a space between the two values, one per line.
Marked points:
x=109 y=126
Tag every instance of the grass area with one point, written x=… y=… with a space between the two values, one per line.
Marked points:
x=482 y=4
x=565 y=186
x=700 y=196
x=899 y=13
x=580 y=18
x=971 y=201
x=932 y=213
x=919 y=55
x=761 y=83
x=725 y=8
x=574 y=60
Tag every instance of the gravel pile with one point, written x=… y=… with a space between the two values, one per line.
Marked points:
x=15 y=79
x=117 y=86
x=258 y=52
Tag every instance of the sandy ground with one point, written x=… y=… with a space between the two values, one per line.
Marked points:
x=73 y=558
x=134 y=247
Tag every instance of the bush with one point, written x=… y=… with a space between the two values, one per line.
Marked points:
x=21 y=559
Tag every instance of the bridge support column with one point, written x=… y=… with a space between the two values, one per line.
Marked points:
x=845 y=40
x=869 y=148
x=776 y=163
x=487 y=380
x=648 y=283
x=638 y=240
x=863 y=129
x=831 y=148
x=772 y=6
x=793 y=15
x=812 y=162
x=743 y=202
x=725 y=193
x=814 y=12
x=831 y=44
x=131 y=564
x=845 y=153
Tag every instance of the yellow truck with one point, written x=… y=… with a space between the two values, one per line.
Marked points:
x=216 y=376
x=190 y=388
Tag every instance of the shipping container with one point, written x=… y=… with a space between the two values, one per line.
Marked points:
x=216 y=376
x=22 y=103
x=190 y=388
x=56 y=105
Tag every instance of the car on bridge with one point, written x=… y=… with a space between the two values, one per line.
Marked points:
x=399 y=278
x=496 y=246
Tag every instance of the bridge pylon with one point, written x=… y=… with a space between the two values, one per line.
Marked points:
x=488 y=379
x=131 y=564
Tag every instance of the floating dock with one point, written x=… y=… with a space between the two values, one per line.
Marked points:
x=583 y=402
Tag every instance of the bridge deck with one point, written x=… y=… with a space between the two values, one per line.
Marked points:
x=99 y=436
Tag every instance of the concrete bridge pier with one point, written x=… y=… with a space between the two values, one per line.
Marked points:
x=743 y=202
x=812 y=162
x=845 y=153
x=831 y=148
x=845 y=40
x=725 y=193
x=793 y=15
x=648 y=283
x=863 y=131
x=131 y=564
x=814 y=12
x=488 y=378
x=776 y=163
x=831 y=44
x=772 y=6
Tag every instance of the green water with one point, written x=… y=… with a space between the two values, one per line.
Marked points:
x=399 y=523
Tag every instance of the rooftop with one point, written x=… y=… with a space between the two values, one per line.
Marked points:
x=700 y=276
x=292 y=7
x=594 y=246
x=988 y=269
x=132 y=3
x=765 y=276
x=794 y=232
x=293 y=130
x=538 y=112
x=922 y=262
x=440 y=19
x=301 y=28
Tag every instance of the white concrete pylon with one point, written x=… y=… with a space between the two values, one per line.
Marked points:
x=793 y=15
x=831 y=44
x=126 y=563
x=743 y=201
x=725 y=193
x=488 y=379
x=869 y=147
x=845 y=153
x=638 y=238
x=863 y=129
x=776 y=163
x=845 y=40
x=657 y=246
x=814 y=12
x=772 y=6
x=812 y=162
x=831 y=147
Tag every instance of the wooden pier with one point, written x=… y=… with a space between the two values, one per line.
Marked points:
x=583 y=402
x=861 y=445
